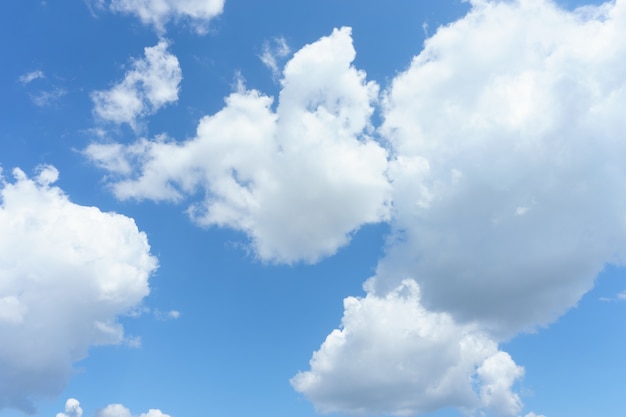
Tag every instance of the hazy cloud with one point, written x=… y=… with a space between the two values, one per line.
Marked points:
x=31 y=76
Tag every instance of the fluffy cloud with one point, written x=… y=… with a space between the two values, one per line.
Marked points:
x=72 y=409
x=298 y=181
x=118 y=410
x=66 y=273
x=159 y=12
x=391 y=356
x=508 y=155
x=152 y=83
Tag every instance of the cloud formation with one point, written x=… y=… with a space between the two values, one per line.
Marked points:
x=29 y=77
x=507 y=165
x=298 y=181
x=152 y=83
x=160 y=12
x=392 y=356
x=66 y=273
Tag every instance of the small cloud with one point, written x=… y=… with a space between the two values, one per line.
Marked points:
x=46 y=98
x=272 y=51
x=31 y=76
x=72 y=409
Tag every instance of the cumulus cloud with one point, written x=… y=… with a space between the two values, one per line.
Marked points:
x=152 y=83
x=159 y=12
x=506 y=138
x=66 y=273
x=392 y=356
x=72 y=409
x=118 y=410
x=298 y=180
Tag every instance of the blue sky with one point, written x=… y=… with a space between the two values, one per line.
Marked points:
x=236 y=208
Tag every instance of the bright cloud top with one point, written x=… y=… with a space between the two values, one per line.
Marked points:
x=72 y=409
x=66 y=273
x=159 y=12
x=118 y=410
x=152 y=83
x=391 y=356
x=298 y=181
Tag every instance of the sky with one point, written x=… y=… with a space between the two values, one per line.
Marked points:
x=349 y=208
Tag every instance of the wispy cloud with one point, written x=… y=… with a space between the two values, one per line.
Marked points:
x=274 y=50
x=31 y=76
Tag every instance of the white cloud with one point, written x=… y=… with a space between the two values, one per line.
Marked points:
x=66 y=273
x=272 y=52
x=298 y=181
x=159 y=12
x=72 y=409
x=118 y=410
x=28 y=77
x=508 y=136
x=152 y=83
x=392 y=356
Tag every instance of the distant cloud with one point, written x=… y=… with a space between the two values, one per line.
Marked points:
x=118 y=410
x=31 y=76
x=47 y=98
x=272 y=52
x=158 y=13
x=298 y=181
x=68 y=272
x=152 y=83
x=72 y=409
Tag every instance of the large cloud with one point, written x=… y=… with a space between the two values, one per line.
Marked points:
x=508 y=169
x=298 y=181
x=152 y=83
x=159 y=12
x=66 y=273
x=510 y=161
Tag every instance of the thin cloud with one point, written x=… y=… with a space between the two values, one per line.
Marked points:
x=31 y=76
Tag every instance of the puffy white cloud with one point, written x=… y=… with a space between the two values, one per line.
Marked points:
x=510 y=155
x=66 y=273
x=392 y=356
x=159 y=12
x=298 y=181
x=152 y=83
x=72 y=409
x=118 y=410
